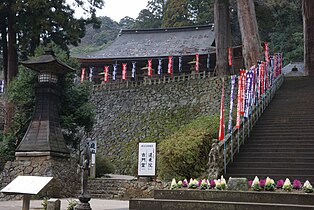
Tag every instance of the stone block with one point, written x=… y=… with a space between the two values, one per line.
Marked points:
x=54 y=204
x=238 y=184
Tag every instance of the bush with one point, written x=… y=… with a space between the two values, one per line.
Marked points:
x=103 y=166
x=185 y=153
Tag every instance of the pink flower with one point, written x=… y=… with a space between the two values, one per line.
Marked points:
x=212 y=183
x=250 y=182
x=280 y=183
x=297 y=184
x=262 y=183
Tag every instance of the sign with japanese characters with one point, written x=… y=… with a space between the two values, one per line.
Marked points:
x=146 y=159
x=92 y=143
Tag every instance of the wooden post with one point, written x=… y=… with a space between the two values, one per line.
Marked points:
x=26 y=201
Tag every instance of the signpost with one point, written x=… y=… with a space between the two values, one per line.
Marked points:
x=146 y=159
x=26 y=185
x=92 y=143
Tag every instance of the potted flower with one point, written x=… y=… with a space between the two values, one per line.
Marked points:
x=287 y=185
x=204 y=184
x=307 y=187
x=185 y=183
x=280 y=183
x=222 y=182
x=173 y=184
x=255 y=184
x=179 y=184
x=297 y=184
x=193 y=183
x=269 y=184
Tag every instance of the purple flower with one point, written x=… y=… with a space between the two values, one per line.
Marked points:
x=297 y=184
x=199 y=182
x=185 y=183
x=262 y=183
x=250 y=182
x=280 y=183
x=212 y=183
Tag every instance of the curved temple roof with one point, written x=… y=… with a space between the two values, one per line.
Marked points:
x=160 y=42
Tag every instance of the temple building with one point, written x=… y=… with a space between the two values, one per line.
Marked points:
x=136 y=54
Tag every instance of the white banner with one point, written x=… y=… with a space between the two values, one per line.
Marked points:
x=146 y=159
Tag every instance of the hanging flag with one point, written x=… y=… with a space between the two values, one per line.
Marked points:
x=248 y=91
x=221 y=134
x=124 y=71
x=150 y=69
x=233 y=80
x=266 y=52
x=180 y=64
x=83 y=74
x=91 y=70
x=133 y=70
x=106 y=75
x=275 y=67
x=243 y=78
x=262 y=78
x=208 y=61
x=170 y=65
x=160 y=66
x=230 y=56
x=239 y=104
x=197 y=58
x=114 y=72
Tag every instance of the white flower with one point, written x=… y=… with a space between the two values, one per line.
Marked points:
x=268 y=181
x=255 y=181
x=287 y=182
x=173 y=184
x=307 y=184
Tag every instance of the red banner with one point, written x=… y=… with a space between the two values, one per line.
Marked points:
x=230 y=56
x=243 y=78
x=170 y=65
x=149 y=70
x=221 y=135
x=83 y=74
x=266 y=53
x=197 y=57
x=239 y=104
x=106 y=75
x=124 y=71
x=262 y=72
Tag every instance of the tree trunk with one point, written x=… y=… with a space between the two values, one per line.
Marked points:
x=308 y=24
x=12 y=65
x=222 y=36
x=249 y=31
x=4 y=45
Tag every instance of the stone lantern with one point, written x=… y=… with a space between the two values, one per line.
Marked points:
x=43 y=151
x=43 y=136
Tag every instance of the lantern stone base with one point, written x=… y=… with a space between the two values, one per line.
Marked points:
x=65 y=182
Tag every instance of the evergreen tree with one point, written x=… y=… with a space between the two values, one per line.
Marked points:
x=176 y=14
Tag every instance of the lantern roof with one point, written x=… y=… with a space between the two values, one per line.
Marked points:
x=48 y=63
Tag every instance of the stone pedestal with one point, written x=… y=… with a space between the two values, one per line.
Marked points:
x=65 y=181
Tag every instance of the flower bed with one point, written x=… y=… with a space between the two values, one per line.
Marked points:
x=255 y=185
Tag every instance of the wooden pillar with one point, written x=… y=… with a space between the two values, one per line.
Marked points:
x=308 y=28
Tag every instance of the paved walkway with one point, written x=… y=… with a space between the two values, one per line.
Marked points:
x=96 y=204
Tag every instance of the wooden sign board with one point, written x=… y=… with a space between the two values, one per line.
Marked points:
x=27 y=185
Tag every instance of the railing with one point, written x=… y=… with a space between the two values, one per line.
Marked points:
x=150 y=81
x=232 y=142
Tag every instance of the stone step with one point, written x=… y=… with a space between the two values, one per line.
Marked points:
x=298 y=151
x=275 y=159
x=269 y=170
x=272 y=144
x=265 y=154
x=295 y=165
x=274 y=176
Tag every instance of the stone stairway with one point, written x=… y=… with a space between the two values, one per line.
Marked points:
x=281 y=144
x=107 y=188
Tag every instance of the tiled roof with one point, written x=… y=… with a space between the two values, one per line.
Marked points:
x=160 y=42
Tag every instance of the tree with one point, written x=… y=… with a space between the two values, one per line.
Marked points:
x=126 y=22
x=308 y=19
x=222 y=36
x=202 y=11
x=249 y=31
x=176 y=14
x=147 y=19
x=26 y=23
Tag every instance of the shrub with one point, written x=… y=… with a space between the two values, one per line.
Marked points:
x=185 y=153
x=103 y=166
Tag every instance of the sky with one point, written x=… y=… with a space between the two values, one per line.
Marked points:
x=118 y=9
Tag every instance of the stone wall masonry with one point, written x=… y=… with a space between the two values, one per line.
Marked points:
x=66 y=181
x=149 y=112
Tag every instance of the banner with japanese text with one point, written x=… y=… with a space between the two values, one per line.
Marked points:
x=147 y=159
x=150 y=69
x=83 y=74
x=106 y=74
x=221 y=134
x=124 y=65
x=170 y=65
x=233 y=80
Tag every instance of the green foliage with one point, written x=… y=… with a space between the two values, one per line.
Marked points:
x=176 y=14
x=185 y=153
x=103 y=166
x=71 y=204
x=44 y=203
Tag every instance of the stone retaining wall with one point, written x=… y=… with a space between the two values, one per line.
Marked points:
x=149 y=113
